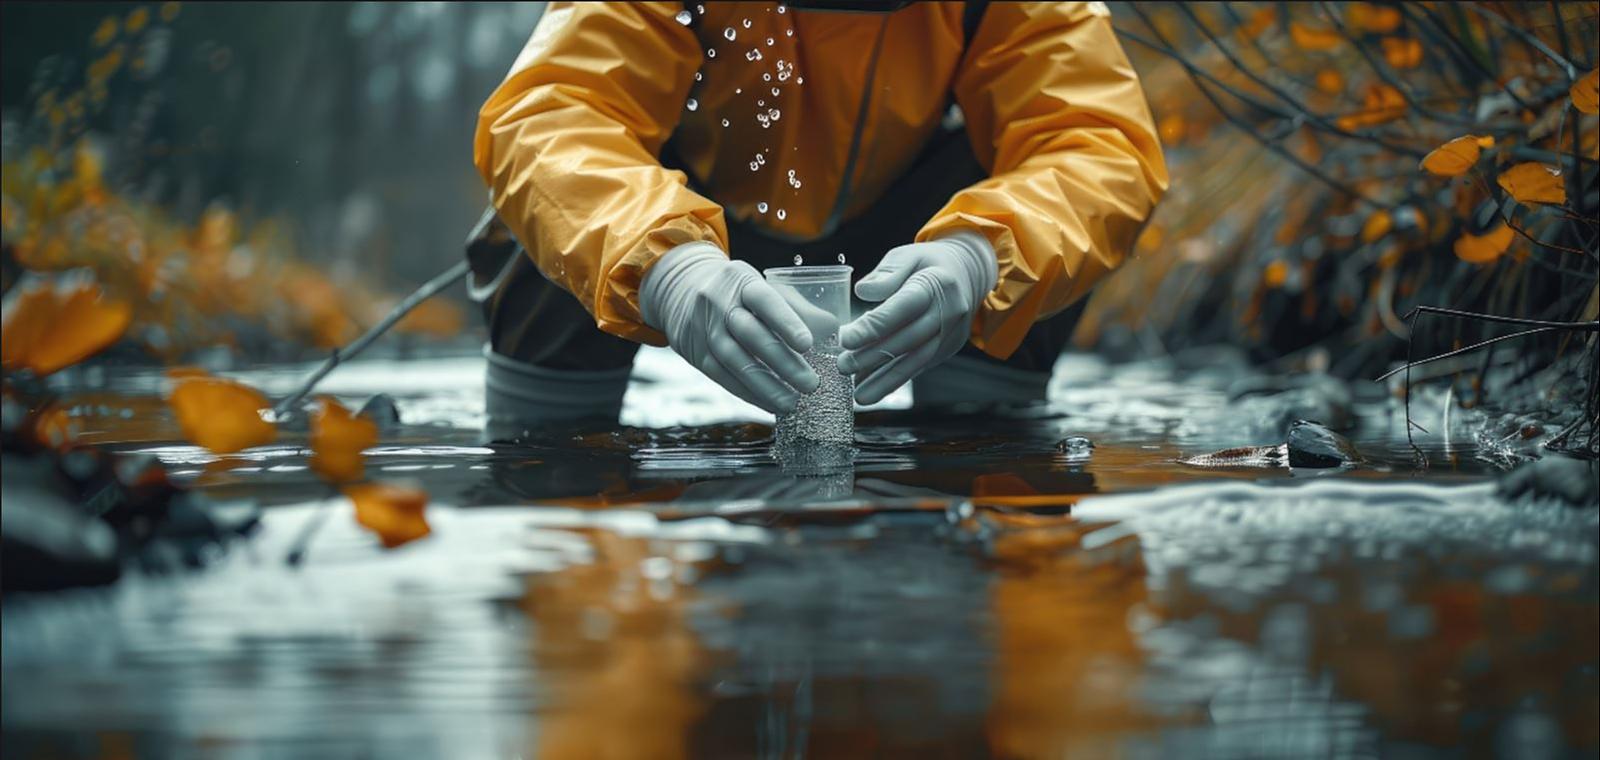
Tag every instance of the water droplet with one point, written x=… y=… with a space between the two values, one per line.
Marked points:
x=781 y=214
x=738 y=90
x=684 y=17
x=767 y=76
x=699 y=76
x=747 y=23
x=754 y=166
x=798 y=260
x=724 y=122
x=761 y=159
x=700 y=9
x=711 y=53
x=729 y=33
x=774 y=92
x=782 y=9
x=788 y=33
x=799 y=80
x=761 y=102
x=692 y=104
x=791 y=173
x=762 y=207
x=841 y=258
x=769 y=42
x=754 y=55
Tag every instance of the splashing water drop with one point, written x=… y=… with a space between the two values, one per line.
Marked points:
x=724 y=122
x=797 y=259
x=774 y=92
x=841 y=258
x=788 y=33
x=729 y=33
x=700 y=9
x=767 y=76
x=762 y=207
x=769 y=42
x=747 y=23
x=684 y=18
x=692 y=104
x=781 y=214
x=699 y=76
x=754 y=166
x=711 y=53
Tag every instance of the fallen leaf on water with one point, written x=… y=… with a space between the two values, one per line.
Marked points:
x=1586 y=92
x=1377 y=226
x=394 y=512
x=1485 y=248
x=221 y=415
x=1313 y=38
x=338 y=439
x=1534 y=182
x=1456 y=157
x=45 y=330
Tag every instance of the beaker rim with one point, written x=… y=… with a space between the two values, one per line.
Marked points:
x=825 y=273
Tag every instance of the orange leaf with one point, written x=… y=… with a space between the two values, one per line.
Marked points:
x=1485 y=248
x=1534 y=182
x=1276 y=274
x=1313 y=38
x=1456 y=157
x=1171 y=128
x=1402 y=52
x=1330 y=81
x=46 y=330
x=395 y=513
x=1258 y=23
x=1380 y=104
x=1374 y=18
x=1586 y=92
x=1376 y=226
x=337 y=440
x=221 y=415
x=434 y=317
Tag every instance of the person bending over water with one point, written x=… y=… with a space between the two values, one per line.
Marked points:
x=989 y=162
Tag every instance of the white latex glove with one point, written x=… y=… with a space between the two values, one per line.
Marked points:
x=730 y=324
x=930 y=292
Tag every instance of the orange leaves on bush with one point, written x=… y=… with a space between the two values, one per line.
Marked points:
x=1259 y=22
x=1377 y=226
x=1402 y=52
x=338 y=439
x=434 y=317
x=1379 y=105
x=1313 y=38
x=1586 y=92
x=395 y=513
x=1370 y=17
x=221 y=415
x=44 y=329
x=1534 y=182
x=1330 y=81
x=1171 y=128
x=1276 y=274
x=1485 y=248
x=1456 y=157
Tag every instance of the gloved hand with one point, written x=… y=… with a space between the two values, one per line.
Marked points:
x=930 y=292
x=730 y=324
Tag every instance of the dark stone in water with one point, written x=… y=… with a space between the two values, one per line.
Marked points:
x=1312 y=444
x=1573 y=481
x=382 y=410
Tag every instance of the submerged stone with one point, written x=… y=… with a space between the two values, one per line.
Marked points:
x=1312 y=444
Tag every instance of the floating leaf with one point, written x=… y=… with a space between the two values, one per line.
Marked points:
x=1402 y=52
x=1371 y=17
x=1377 y=226
x=45 y=330
x=1313 y=38
x=1456 y=157
x=1485 y=248
x=338 y=439
x=1534 y=182
x=1586 y=92
x=395 y=513
x=221 y=415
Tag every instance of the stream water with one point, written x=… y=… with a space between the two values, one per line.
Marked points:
x=976 y=584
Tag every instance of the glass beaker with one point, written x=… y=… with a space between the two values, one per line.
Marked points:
x=821 y=296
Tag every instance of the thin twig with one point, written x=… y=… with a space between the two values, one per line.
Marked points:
x=451 y=276
x=1460 y=351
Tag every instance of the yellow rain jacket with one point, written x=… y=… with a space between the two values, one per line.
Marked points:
x=569 y=142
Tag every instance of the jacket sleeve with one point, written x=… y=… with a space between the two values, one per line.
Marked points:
x=568 y=146
x=1056 y=114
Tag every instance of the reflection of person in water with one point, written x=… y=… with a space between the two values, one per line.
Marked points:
x=635 y=147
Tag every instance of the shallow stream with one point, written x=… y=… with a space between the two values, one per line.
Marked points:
x=974 y=585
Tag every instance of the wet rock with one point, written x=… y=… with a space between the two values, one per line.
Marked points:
x=48 y=541
x=1075 y=447
x=382 y=410
x=1312 y=444
x=1572 y=481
